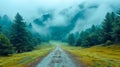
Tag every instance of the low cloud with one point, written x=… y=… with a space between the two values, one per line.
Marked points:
x=62 y=11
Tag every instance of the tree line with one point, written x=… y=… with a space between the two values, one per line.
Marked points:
x=18 y=37
x=106 y=33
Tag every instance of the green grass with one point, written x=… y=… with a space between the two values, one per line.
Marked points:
x=23 y=59
x=97 y=56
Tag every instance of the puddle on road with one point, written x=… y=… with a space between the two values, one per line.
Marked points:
x=57 y=59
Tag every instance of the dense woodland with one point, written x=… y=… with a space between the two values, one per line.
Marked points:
x=107 y=33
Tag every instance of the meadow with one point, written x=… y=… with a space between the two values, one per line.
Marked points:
x=26 y=58
x=96 y=56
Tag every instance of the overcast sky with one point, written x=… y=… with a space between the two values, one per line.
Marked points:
x=31 y=9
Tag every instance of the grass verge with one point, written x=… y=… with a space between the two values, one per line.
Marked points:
x=23 y=59
x=97 y=56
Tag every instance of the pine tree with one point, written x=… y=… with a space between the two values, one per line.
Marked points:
x=0 y=29
x=20 y=36
x=0 y=25
x=116 y=28
x=107 y=27
x=78 y=42
x=6 y=47
x=71 y=39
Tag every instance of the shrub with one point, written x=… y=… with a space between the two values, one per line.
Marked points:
x=108 y=42
x=6 y=47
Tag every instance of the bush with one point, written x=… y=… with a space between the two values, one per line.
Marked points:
x=5 y=47
x=108 y=42
x=85 y=43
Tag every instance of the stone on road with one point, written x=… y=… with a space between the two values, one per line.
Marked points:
x=57 y=58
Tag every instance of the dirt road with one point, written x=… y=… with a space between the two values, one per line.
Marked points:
x=57 y=58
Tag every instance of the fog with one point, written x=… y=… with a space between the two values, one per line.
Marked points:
x=34 y=7
x=81 y=13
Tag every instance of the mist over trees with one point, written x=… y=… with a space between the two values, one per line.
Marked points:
x=18 y=36
x=5 y=24
x=21 y=36
x=107 y=33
